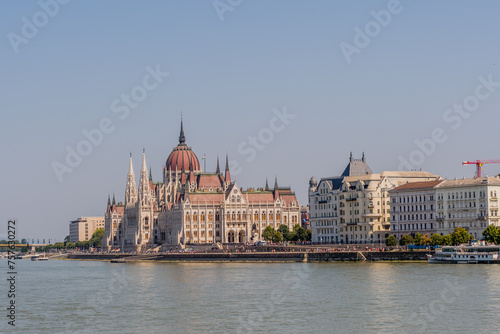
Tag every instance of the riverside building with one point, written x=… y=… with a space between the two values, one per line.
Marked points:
x=469 y=203
x=413 y=208
x=354 y=208
x=192 y=206
x=83 y=228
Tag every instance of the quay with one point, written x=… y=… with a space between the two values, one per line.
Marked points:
x=264 y=256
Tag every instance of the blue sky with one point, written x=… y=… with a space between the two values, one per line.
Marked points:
x=227 y=76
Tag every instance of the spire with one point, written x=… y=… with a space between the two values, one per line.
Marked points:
x=350 y=158
x=144 y=168
x=130 y=167
x=182 y=138
x=130 y=190
x=109 y=201
x=227 y=176
x=267 y=185
x=150 y=175
x=275 y=183
x=144 y=188
x=114 y=202
x=218 y=168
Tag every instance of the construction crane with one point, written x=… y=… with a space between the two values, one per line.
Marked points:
x=479 y=164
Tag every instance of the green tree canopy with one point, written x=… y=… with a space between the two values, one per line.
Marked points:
x=285 y=232
x=446 y=240
x=391 y=241
x=405 y=240
x=308 y=235
x=268 y=233
x=492 y=234
x=95 y=241
x=277 y=237
x=436 y=239
x=460 y=236
x=418 y=239
x=299 y=233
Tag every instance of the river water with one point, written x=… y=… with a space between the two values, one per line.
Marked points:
x=92 y=297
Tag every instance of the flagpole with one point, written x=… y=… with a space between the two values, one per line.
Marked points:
x=204 y=162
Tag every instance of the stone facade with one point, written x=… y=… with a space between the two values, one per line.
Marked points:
x=413 y=208
x=355 y=207
x=468 y=203
x=194 y=207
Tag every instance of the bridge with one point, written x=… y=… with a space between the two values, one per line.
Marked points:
x=19 y=246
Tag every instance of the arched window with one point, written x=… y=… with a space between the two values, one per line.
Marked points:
x=256 y=215
x=263 y=218
x=210 y=217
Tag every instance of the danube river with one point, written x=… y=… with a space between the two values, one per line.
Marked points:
x=91 y=297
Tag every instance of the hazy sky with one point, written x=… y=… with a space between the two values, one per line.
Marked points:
x=372 y=76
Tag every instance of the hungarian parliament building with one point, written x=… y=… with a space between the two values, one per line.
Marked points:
x=192 y=206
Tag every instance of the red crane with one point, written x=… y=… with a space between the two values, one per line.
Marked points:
x=479 y=164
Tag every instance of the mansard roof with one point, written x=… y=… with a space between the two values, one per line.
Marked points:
x=357 y=167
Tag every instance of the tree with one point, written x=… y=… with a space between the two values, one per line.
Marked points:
x=268 y=233
x=277 y=236
x=405 y=240
x=492 y=234
x=436 y=239
x=66 y=239
x=24 y=241
x=426 y=241
x=391 y=241
x=308 y=235
x=446 y=240
x=285 y=232
x=95 y=241
x=460 y=236
x=418 y=239
x=299 y=233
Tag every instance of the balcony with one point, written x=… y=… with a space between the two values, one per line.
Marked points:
x=440 y=220
x=480 y=217
x=372 y=215
x=352 y=223
x=322 y=202
x=351 y=199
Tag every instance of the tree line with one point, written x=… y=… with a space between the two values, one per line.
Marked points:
x=459 y=236
x=283 y=233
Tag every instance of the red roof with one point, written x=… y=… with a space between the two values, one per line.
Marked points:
x=182 y=156
x=209 y=180
x=196 y=198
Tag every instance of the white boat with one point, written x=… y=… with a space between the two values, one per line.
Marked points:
x=466 y=254
x=37 y=257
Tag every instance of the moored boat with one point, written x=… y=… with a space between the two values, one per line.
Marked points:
x=465 y=254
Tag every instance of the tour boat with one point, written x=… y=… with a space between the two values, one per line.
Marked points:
x=465 y=254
